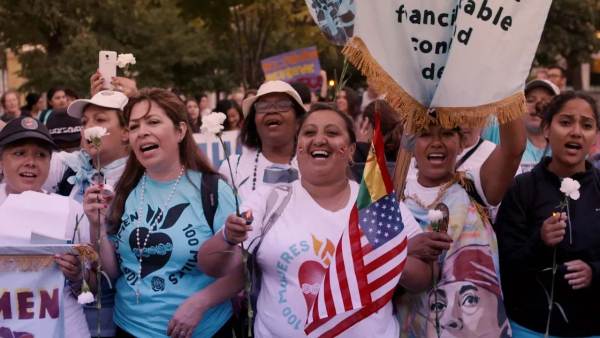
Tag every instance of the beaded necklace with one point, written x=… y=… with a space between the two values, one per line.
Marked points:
x=255 y=168
x=152 y=226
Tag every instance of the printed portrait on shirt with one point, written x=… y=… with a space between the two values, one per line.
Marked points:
x=468 y=300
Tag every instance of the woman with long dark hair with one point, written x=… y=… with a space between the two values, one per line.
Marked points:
x=538 y=224
x=157 y=222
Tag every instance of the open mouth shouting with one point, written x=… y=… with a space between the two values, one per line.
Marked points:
x=272 y=122
x=436 y=158
x=148 y=148
x=573 y=148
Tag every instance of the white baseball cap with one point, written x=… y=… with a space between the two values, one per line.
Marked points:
x=271 y=87
x=106 y=99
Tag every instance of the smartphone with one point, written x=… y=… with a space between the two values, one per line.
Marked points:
x=107 y=65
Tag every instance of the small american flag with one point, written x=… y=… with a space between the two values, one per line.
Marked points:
x=369 y=257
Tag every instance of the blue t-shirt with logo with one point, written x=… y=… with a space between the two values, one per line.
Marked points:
x=169 y=272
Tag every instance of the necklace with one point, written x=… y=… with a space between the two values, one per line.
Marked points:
x=152 y=226
x=254 y=172
x=443 y=189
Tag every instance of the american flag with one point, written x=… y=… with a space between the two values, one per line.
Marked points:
x=369 y=257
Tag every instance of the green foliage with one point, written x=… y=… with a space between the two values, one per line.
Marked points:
x=570 y=32
x=170 y=51
x=245 y=32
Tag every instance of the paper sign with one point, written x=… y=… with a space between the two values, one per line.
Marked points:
x=46 y=215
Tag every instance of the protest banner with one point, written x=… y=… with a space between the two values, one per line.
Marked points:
x=465 y=59
x=31 y=296
x=298 y=65
x=212 y=148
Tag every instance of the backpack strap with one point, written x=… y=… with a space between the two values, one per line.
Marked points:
x=209 y=191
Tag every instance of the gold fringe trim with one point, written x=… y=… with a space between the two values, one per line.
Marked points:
x=28 y=263
x=25 y=263
x=410 y=109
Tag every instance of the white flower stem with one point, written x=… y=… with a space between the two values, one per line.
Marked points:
x=551 y=302
x=99 y=270
x=247 y=277
x=235 y=191
x=569 y=221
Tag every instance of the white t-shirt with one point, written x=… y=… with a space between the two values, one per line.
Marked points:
x=474 y=161
x=244 y=165
x=295 y=253
x=75 y=323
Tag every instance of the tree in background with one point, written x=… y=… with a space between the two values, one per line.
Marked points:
x=57 y=42
x=186 y=44
x=570 y=34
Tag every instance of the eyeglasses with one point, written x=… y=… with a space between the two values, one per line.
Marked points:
x=273 y=107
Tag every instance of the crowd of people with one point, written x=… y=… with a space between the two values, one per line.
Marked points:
x=519 y=258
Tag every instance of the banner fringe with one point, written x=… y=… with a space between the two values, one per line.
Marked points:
x=410 y=109
x=29 y=263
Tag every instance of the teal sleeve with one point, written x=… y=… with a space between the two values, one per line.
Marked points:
x=492 y=131
x=226 y=205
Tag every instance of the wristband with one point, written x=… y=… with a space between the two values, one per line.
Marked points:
x=227 y=239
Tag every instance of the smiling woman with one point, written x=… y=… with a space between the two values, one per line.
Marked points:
x=268 y=134
x=25 y=151
x=304 y=231
x=157 y=223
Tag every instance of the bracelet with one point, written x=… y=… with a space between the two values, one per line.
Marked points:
x=227 y=239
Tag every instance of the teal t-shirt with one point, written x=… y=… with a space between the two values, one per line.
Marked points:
x=531 y=157
x=169 y=272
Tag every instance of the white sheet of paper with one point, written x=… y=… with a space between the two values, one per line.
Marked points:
x=30 y=211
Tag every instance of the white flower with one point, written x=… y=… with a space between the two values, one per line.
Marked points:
x=435 y=215
x=94 y=133
x=125 y=59
x=85 y=297
x=213 y=123
x=570 y=188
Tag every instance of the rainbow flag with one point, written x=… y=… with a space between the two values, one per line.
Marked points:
x=369 y=257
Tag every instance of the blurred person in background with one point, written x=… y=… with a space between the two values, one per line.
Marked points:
x=71 y=95
x=203 y=104
x=238 y=96
x=348 y=101
x=304 y=93
x=57 y=99
x=35 y=104
x=11 y=105
x=369 y=96
x=233 y=112
x=391 y=130
x=250 y=93
x=193 y=111
x=558 y=76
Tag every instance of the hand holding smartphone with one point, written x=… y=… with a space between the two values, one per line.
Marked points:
x=107 y=66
